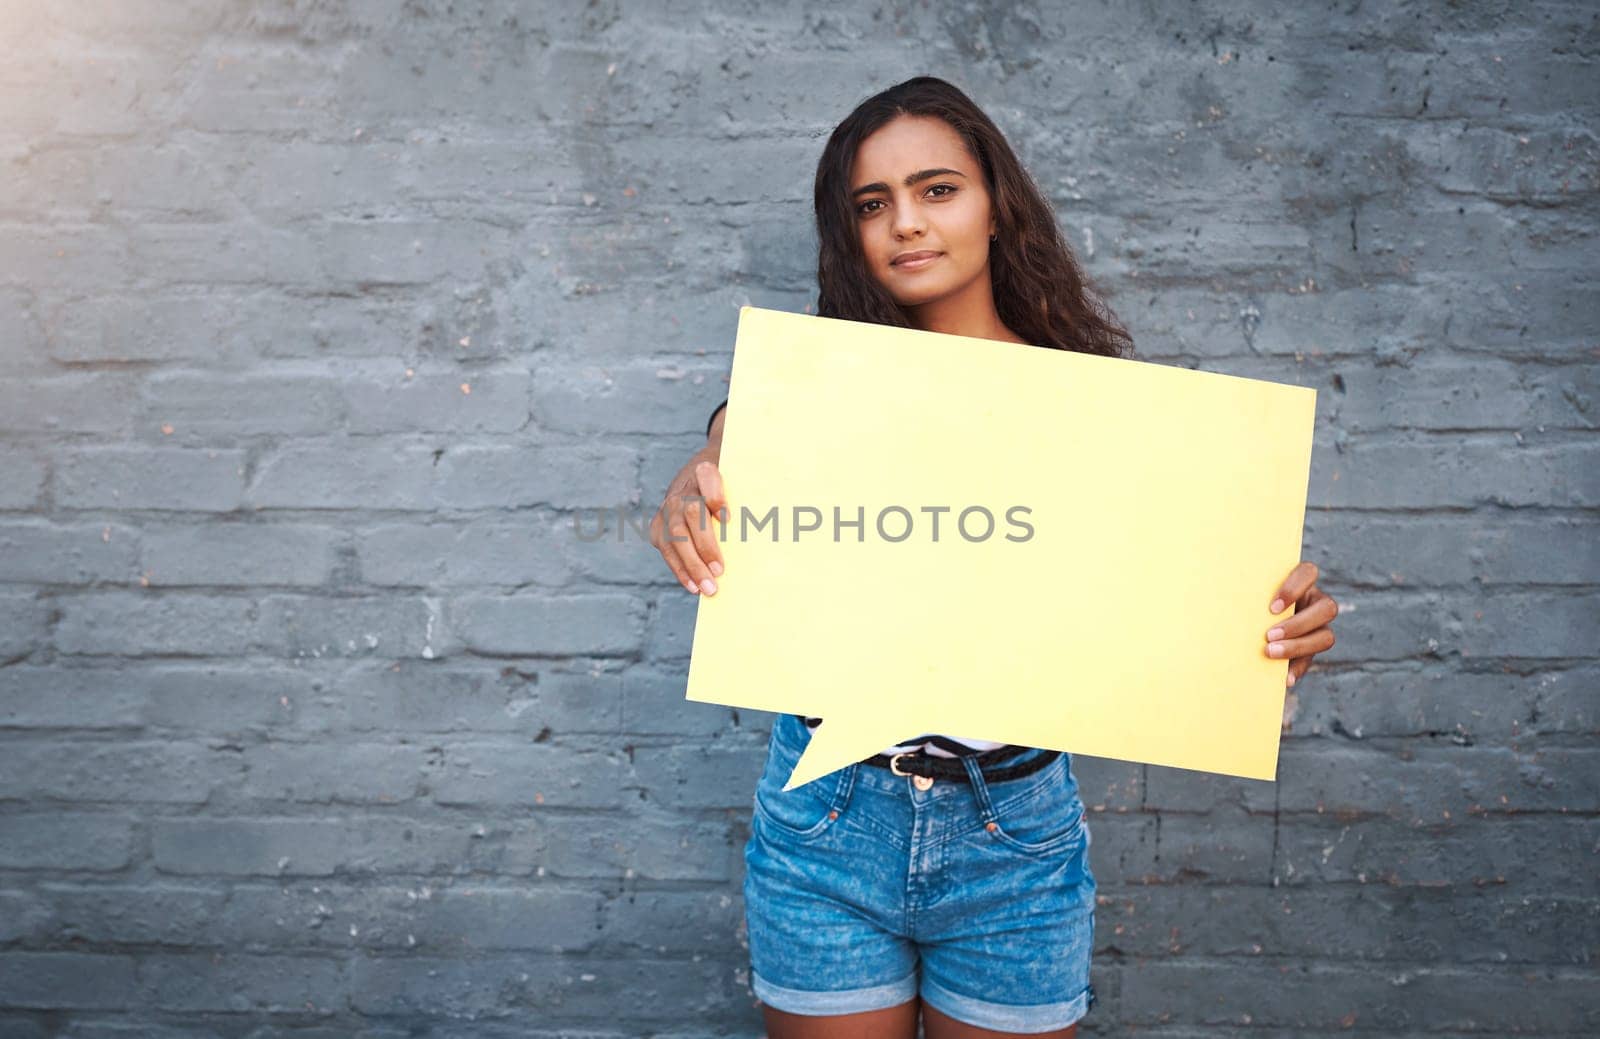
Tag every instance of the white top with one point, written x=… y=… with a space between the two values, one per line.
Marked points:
x=923 y=742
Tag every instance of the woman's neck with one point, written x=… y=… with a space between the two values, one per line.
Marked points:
x=970 y=315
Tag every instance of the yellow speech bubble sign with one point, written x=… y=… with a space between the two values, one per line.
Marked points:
x=930 y=533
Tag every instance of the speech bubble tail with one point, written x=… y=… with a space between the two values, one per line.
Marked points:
x=833 y=747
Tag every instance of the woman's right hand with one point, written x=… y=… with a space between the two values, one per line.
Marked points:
x=682 y=530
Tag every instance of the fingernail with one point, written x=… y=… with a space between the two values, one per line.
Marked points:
x=1276 y=607
x=716 y=569
x=1291 y=678
x=693 y=589
x=1275 y=633
x=708 y=586
x=1274 y=649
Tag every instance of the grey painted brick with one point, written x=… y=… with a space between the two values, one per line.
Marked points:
x=22 y=341
x=1106 y=784
x=1430 y=784
x=411 y=696
x=39 y=553
x=1223 y=848
x=357 y=475
x=654 y=704
x=242 y=554
x=242 y=845
x=1495 y=706
x=1402 y=624
x=1526 y=624
x=126 y=1026
x=559 y=475
x=1465 y=854
x=470 y=401
x=694 y=321
x=56 y=258
x=1467 y=397
x=1335 y=997
x=1422 y=473
x=593 y=990
x=660 y=921
x=241 y=983
x=216 y=698
x=359 y=773
x=1122 y=847
x=166 y=772
x=638 y=397
x=143 y=913
x=1405 y=780
x=427 y=918
x=80 y=183
x=84 y=699
x=191 y=479
x=1382 y=550
x=672 y=624
x=476 y=553
x=199 y=407
x=646 y=847
x=310 y=626
x=22 y=916
x=24 y=624
x=80 y=403
x=551 y=625
x=66 y=841
x=1366 y=922
x=526 y=774
x=140 y=624
x=22 y=477
x=698 y=776
x=52 y=980
x=232 y=253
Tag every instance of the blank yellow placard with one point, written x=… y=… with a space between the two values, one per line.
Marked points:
x=1165 y=505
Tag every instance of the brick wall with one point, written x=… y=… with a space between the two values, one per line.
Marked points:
x=320 y=322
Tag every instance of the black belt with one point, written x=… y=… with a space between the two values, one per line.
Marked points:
x=918 y=763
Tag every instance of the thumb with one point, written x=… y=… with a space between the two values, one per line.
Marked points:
x=711 y=485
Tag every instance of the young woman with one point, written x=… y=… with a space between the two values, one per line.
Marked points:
x=946 y=876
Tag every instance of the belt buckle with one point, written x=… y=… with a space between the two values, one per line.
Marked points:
x=920 y=782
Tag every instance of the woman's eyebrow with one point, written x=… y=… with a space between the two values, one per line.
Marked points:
x=915 y=178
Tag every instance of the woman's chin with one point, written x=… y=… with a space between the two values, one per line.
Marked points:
x=917 y=299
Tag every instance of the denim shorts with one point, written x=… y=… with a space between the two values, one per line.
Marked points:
x=862 y=891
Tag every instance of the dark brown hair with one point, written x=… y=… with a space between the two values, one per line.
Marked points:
x=1040 y=292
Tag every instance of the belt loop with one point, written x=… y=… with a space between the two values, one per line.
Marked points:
x=847 y=782
x=980 y=790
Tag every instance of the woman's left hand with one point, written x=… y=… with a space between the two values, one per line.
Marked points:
x=1307 y=633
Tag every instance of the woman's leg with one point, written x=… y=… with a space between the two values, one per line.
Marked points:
x=943 y=1026
x=891 y=1023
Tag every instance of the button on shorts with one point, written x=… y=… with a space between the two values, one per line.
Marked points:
x=862 y=891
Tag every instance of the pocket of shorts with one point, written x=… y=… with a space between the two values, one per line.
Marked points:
x=1041 y=823
x=801 y=813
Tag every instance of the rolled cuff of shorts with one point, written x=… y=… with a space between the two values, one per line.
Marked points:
x=841 y=1001
x=1005 y=1017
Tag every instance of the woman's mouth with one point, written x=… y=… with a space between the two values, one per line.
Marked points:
x=914 y=261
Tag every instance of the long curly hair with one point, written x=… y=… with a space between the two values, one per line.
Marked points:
x=1040 y=291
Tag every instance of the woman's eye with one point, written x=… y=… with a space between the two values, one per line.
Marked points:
x=949 y=189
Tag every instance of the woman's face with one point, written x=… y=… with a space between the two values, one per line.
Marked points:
x=916 y=190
